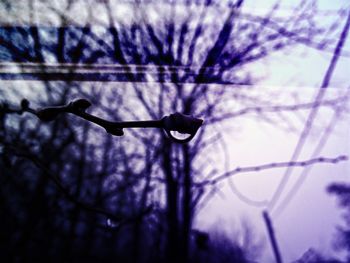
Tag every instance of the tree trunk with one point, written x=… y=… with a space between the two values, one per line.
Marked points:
x=172 y=190
x=186 y=205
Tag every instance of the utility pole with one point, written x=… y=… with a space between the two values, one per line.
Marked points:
x=272 y=237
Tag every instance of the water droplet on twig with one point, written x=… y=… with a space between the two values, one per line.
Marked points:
x=111 y=223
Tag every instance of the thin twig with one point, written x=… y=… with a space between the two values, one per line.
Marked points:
x=258 y=168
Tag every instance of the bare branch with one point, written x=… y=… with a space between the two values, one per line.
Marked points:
x=277 y=108
x=259 y=168
x=314 y=111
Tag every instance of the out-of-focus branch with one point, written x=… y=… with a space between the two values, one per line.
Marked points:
x=289 y=34
x=277 y=108
x=323 y=139
x=313 y=112
x=258 y=168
